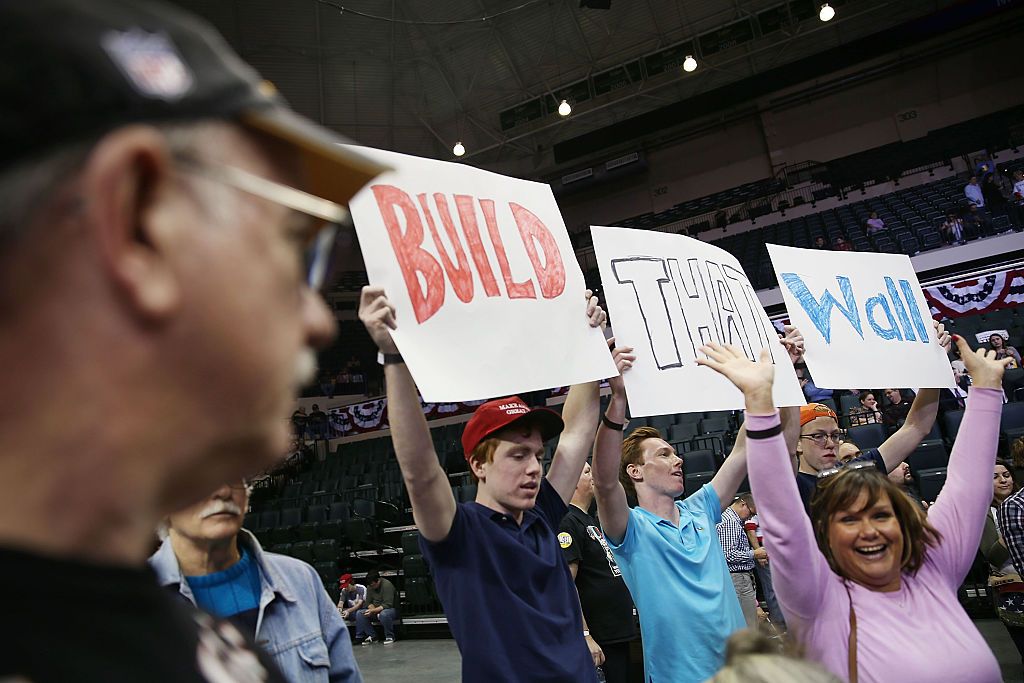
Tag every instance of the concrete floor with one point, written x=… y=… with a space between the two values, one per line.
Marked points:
x=437 y=661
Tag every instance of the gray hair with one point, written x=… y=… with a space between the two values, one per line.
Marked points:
x=26 y=187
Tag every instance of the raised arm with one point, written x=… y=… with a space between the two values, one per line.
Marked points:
x=799 y=570
x=433 y=505
x=732 y=472
x=612 y=506
x=580 y=415
x=959 y=512
x=920 y=419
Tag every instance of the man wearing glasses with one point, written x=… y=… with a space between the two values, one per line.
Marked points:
x=162 y=237
x=821 y=439
x=208 y=559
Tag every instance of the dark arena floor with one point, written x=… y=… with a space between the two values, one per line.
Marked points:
x=437 y=661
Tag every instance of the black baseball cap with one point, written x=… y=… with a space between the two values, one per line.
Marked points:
x=72 y=70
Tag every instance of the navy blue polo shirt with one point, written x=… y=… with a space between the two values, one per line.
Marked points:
x=509 y=597
x=807 y=483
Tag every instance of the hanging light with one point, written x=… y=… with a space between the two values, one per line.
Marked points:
x=689 y=64
x=826 y=12
x=564 y=109
x=459 y=149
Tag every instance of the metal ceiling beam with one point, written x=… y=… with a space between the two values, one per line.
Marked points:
x=496 y=35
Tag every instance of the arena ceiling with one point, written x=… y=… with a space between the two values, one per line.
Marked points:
x=416 y=76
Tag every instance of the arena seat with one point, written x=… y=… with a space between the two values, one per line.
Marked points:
x=414 y=565
x=328 y=571
x=928 y=456
x=951 y=420
x=287 y=526
x=662 y=422
x=930 y=482
x=867 y=436
x=307 y=530
x=303 y=550
x=1011 y=425
x=848 y=402
x=337 y=519
x=714 y=425
x=419 y=594
x=681 y=432
x=693 y=482
x=326 y=549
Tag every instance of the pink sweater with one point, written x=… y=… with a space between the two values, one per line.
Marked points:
x=918 y=633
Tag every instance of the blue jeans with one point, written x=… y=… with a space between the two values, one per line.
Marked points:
x=387 y=620
x=764 y=575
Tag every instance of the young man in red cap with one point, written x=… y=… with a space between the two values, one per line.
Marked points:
x=820 y=436
x=506 y=590
x=352 y=598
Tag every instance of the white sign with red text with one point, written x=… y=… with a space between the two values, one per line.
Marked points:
x=489 y=296
x=667 y=296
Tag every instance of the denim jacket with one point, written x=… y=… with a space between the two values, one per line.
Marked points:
x=297 y=625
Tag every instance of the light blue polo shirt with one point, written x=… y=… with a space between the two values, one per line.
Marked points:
x=681 y=588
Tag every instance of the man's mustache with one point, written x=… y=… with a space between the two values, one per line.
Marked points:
x=217 y=507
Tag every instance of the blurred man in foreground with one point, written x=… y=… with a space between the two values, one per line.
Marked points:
x=157 y=207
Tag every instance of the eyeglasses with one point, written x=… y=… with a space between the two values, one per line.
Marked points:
x=821 y=439
x=319 y=255
x=862 y=465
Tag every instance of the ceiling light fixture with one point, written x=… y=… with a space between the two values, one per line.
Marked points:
x=459 y=149
x=689 y=64
x=564 y=109
x=826 y=12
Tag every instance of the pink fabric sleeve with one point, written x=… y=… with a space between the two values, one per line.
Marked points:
x=959 y=511
x=799 y=571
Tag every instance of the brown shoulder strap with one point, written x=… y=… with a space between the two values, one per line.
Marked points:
x=852 y=642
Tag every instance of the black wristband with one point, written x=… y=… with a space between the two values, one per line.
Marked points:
x=764 y=433
x=389 y=358
x=617 y=426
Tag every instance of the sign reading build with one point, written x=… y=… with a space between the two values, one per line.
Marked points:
x=864 y=319
x=488 y=293
x=668 y=295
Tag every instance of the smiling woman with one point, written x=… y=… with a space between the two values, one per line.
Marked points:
x=869 y=530
x=868 y=585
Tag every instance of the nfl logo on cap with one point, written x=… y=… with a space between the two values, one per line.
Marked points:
x=150 y=62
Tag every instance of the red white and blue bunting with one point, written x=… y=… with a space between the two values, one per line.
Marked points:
x=979 y=295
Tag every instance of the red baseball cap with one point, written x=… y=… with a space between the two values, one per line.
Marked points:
x=500 y=413
x=345 y=580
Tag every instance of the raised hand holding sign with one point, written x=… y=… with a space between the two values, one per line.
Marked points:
x=481 y=278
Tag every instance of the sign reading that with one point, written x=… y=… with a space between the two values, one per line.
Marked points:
x=488 y=294
x=864 y=319
x=668 y=295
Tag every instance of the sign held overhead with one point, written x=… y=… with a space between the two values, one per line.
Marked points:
x=488 y=294
x=668 y=295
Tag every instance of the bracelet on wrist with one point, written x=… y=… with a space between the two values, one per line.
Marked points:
x=610 y=424
x=389 y=358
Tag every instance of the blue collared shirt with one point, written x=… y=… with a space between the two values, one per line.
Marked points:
x=297 y=624
x=509 y=596
x=681 y=588
x=974 y=195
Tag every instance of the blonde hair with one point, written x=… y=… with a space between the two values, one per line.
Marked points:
x=750 y=657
